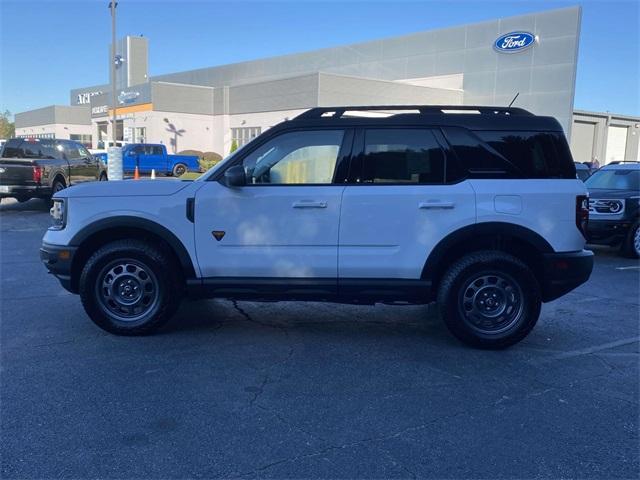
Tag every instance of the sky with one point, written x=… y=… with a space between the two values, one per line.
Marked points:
x=49 y=47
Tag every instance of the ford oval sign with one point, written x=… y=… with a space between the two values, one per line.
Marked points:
x=514 y=42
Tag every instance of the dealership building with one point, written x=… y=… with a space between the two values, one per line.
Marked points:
x=532 y=56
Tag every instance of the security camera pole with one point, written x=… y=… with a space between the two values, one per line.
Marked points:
x=114 y=154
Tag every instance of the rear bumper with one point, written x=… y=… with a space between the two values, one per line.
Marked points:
x=58 y=260
x=24 y=191
x=562 y=272
x=607 y=232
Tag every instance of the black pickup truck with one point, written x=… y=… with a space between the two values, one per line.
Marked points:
x=37 y=168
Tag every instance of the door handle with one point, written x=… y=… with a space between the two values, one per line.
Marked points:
x=432 y=205
x=309 y=204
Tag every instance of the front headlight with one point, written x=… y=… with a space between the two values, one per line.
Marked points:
x=606 y=206
x=58 y=214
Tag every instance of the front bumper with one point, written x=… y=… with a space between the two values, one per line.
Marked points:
x=58 y=260
x=31 y=191
x=562 y=272
x=607 y=232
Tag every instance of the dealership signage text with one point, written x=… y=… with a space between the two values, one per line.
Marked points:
x=84 y=98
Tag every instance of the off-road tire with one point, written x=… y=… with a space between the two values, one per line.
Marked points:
x=457 y=282
x=629 y=248
x=160 y=266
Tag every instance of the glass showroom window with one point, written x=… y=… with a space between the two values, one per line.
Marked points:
x=140 y=134
x=244 y=135
x=81 y=138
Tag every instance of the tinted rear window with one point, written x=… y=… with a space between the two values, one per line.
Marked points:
x=478 y=158
x=38 y=149
x=535 y=154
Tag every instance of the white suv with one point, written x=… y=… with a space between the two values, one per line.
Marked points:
x=478 y=208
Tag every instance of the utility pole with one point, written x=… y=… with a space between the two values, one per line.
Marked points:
x=112 y=6
x=114 y=154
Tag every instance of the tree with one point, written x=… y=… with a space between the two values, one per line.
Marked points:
x=7 y=127
x=234 y=146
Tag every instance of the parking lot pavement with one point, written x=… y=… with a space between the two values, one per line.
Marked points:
x=289 y=390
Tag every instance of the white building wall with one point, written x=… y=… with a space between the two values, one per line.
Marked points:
x=196 y=132
x=59 y=130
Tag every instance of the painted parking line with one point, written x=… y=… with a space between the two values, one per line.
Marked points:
x=631 y=267
x=589 y=350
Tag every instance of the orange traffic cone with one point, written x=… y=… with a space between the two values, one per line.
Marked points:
x=136 y=174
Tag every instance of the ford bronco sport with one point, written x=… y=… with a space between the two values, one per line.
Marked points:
x=614 y=207
x=477 y=208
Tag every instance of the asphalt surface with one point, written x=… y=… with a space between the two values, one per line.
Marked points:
x=293 y=390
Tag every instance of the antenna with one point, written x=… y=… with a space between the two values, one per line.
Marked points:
x=514 y=99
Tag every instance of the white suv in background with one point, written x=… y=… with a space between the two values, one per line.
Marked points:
x=478 y=208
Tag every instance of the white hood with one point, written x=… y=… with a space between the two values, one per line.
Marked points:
x=124 y=188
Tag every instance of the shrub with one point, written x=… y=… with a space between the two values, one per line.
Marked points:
x=209 y=159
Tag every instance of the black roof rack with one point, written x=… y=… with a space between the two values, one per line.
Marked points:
x=337 y=112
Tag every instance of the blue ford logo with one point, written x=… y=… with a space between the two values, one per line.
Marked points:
x=514 y=42
x=128 y=97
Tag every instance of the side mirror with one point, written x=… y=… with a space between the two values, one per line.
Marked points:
x=235 y=176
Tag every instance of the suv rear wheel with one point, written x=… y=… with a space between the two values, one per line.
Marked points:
x=489 y=299
x=128 y=288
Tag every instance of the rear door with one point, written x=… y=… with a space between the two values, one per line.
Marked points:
x=153 y=159
x=401 y=201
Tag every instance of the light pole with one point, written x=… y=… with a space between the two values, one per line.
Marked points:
x=112 y=7
x=114 y=154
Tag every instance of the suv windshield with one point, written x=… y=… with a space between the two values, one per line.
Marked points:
x=614 y=180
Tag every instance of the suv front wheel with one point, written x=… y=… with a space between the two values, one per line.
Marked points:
x=128 y=287
x=489 y=299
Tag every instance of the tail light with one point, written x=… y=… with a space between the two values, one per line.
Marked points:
x=37 y=174
x=582 y=214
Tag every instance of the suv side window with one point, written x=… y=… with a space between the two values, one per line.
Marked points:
x=477 y=158
x=295 y=158
x=402 y=156
x=537 y=154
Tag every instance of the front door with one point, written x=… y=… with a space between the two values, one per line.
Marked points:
x=283 y=224
x=131 y=158
x=82 y=165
